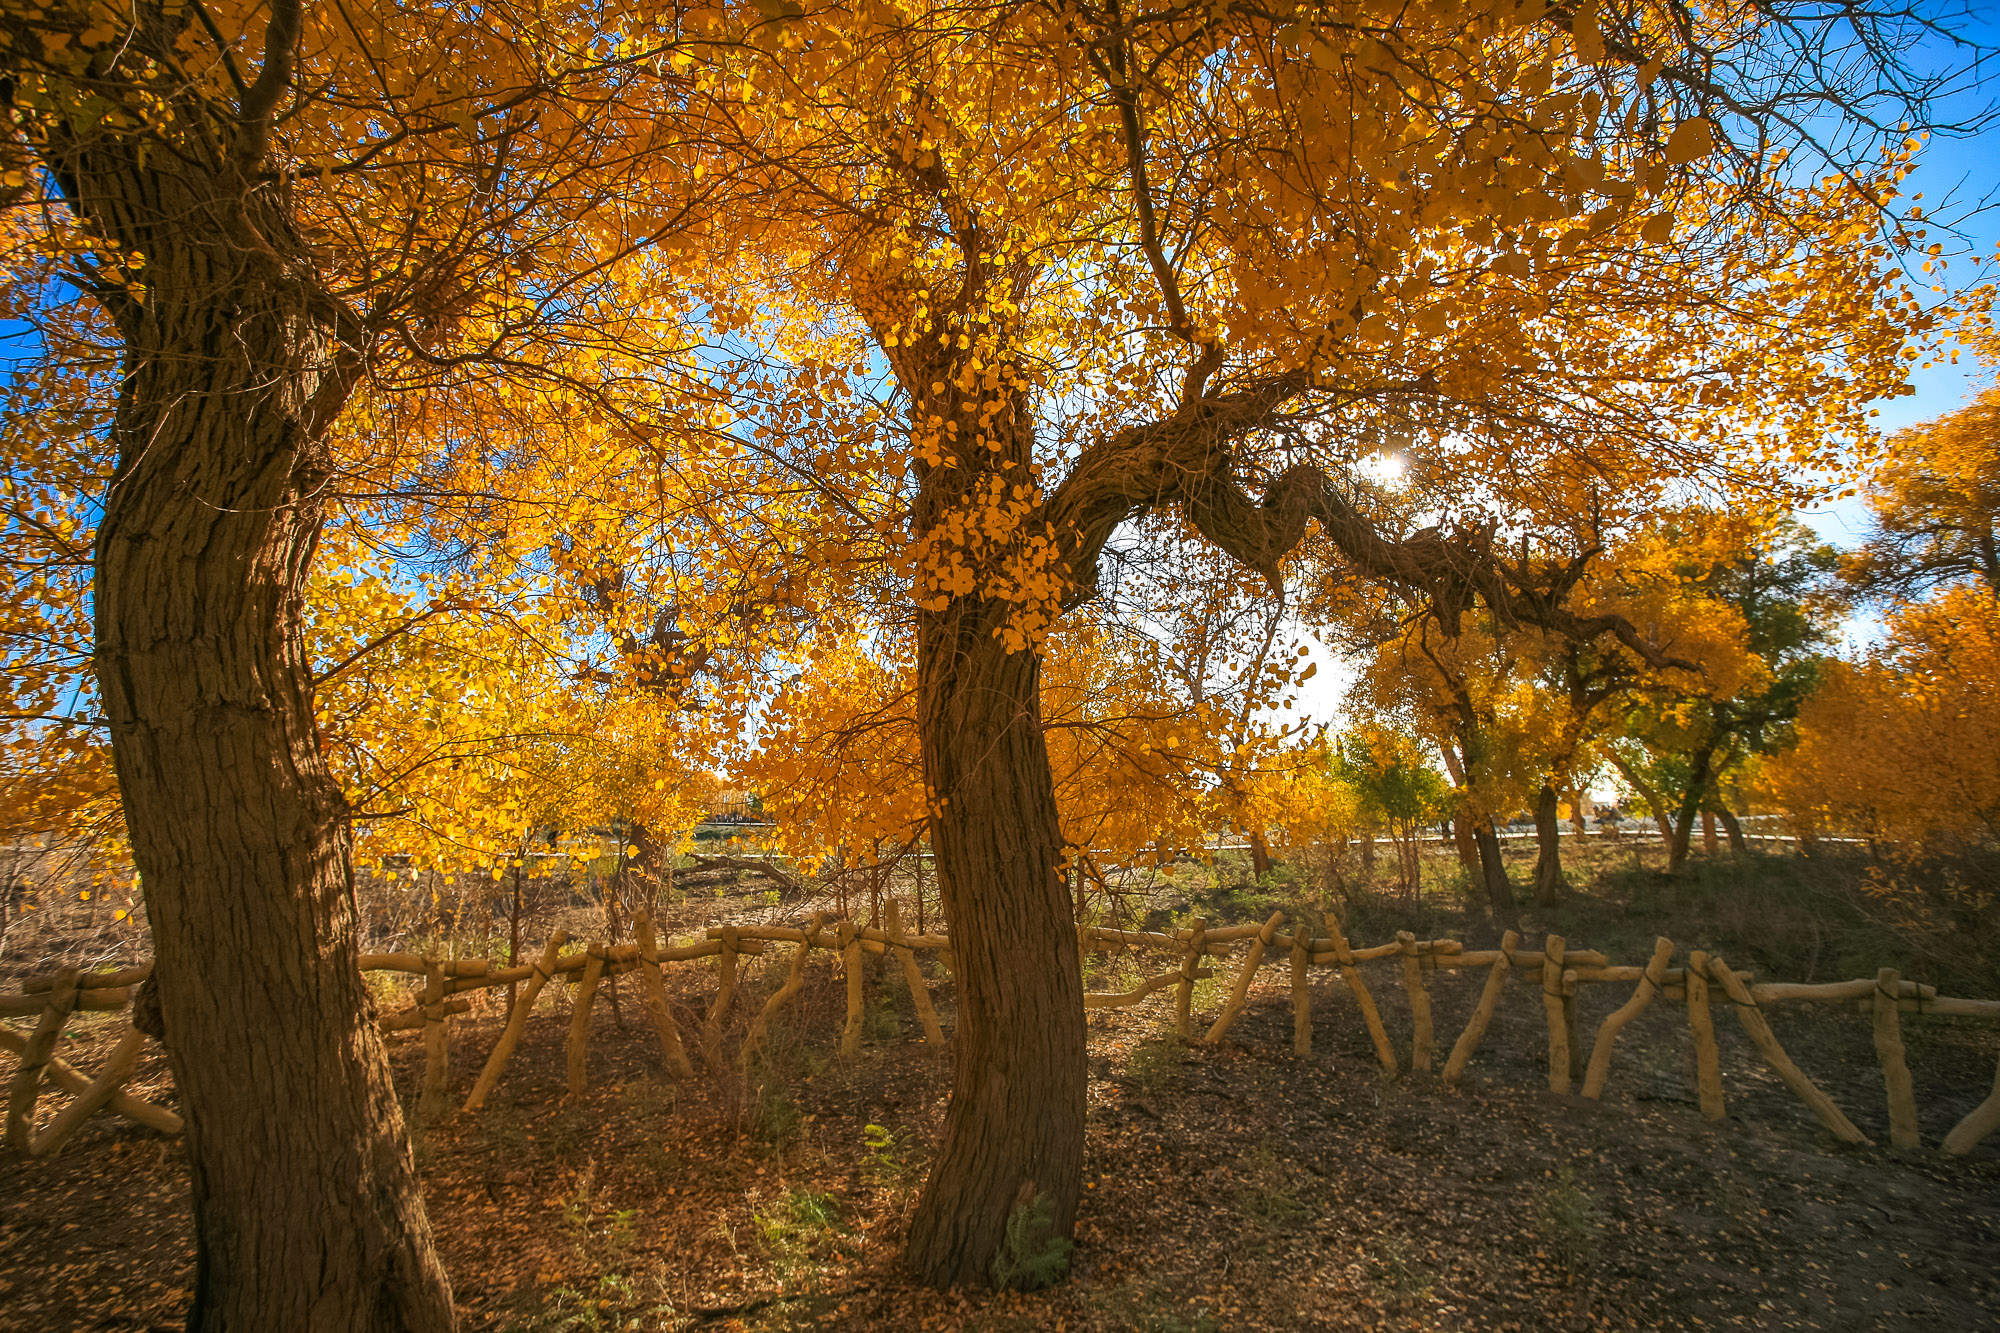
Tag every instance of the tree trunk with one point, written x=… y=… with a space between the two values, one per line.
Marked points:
x=1468 y=850
x=1260 y=855
x=1499 y=889
x=306 y=1208
x=1650 y=796
x=1737 y=842
x=1549 y=881
x=1691 y=803
x=514 y=929
x=1013 y=1133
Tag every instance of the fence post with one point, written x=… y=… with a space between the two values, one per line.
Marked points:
x=1557 y=1012
x=27 y=1085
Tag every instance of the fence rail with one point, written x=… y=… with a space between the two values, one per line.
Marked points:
x=1554 y=971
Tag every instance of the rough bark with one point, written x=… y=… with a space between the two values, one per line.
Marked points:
x=1737 y=842
x=1014 y=1128
x=1691 y=803
x=1493 y=867
x=1468 y=851
x=1549 y=881
x=306 y=1207
x=1260 y=855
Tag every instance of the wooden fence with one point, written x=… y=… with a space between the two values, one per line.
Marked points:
x=1554 y=972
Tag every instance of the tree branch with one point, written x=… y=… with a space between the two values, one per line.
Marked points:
x=259 y=106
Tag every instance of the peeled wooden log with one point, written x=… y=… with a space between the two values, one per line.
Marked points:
x=1102 y=939
x=788 y=884
x=419 y=966
x=795 y=980
x=90 y=981
x=1421 y=1040
x=579 y=1022
x=1302 y=1013
x=70 y=1079
x=683 y=953
x=1524 y=960
x=118 y=1067
x=1331 y=955
x=1120 y=999
x=1866 y=988
x=1239 y=994
x=1982 y=1120
x=409 y=1020
x=1895 y=1069
x=1669 y=978
x=517 y=1022
x=1482 y=1013
x=1230 y=934
x=1944 y=1006
x=1197 y=948
x=1652 y=980
x=35 y=1056
x=654 y=988
x=95 y=1001
x=1574 y=1032
x=1370 y=1015
x=1558 y=1016
x=1701 y=1027
x=850 y=965
x=620 y=960
x=1438 y=952
x=896 y=939
x=725 y=996
x=1795 y=1078
x=752 y=939
x=913 y=977
x=437 y=1046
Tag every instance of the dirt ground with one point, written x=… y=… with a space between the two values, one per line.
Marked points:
x=1227 y=1187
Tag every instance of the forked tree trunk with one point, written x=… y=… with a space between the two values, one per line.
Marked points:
x=1549 y=881
x=1493 y=866
x=1737 y=842
x=1013 y=1133
x=1650 y=796
x=306 y=1207
x=1691 y=803
x=1468 y=850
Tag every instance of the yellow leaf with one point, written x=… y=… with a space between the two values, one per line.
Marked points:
x=1694 y=138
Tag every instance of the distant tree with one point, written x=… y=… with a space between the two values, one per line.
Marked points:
x=1396 y=785
x=1936 y=505
x=1685 y=737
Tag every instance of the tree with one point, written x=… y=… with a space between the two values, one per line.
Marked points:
x=1464 y=695
x=1776 y=585
x=1936 y=505
x=1518 y=243
x=269 y=216
x=1126 y=271
x=1902 y=748
x=1394 y=784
